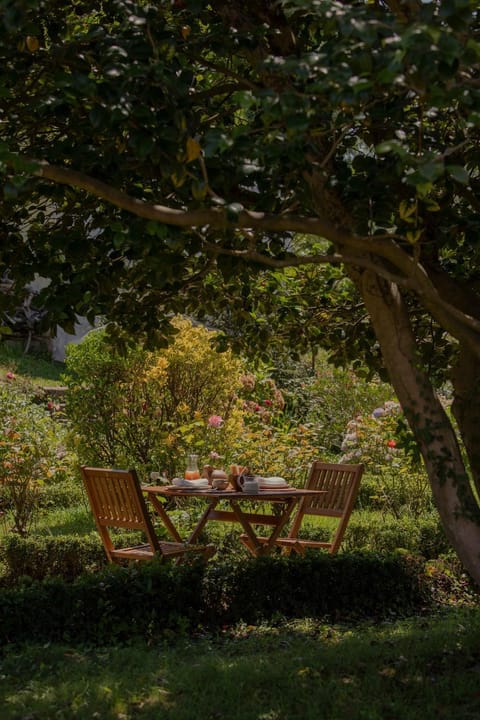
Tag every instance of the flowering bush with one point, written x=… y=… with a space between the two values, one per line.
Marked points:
x=271 y=443
x=384 y=443
x=152 y=408
x=29 y=458
x=325 y=398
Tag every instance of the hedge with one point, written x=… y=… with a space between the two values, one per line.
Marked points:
x=151 y=599
x=39 y=556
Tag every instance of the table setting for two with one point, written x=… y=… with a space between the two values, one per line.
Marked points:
x=220 y=482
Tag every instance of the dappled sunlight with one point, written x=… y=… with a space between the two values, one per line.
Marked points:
x=302 y=669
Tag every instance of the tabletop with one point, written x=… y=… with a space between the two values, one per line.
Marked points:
x=277 y=494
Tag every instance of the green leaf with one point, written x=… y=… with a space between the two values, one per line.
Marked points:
x=458 y=173
x=391 y=146
x=431 y=170
x=233 y=211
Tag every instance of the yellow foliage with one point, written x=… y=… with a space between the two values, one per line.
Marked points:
x=406 y=211
x=158 y=370
x=194 y=149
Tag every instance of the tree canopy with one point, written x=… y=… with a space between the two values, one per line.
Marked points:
x=165 y=157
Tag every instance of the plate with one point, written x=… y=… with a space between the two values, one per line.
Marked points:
x=274 y=487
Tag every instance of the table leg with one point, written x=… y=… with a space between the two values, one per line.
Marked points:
x=255 y=547
x=164 y=517
x=213 y=502
x=284 y=518
x=265 y=545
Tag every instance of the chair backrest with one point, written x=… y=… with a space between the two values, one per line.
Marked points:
x=340 y=484
x=117 y=501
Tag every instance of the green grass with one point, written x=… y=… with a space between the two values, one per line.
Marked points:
x=38 y=369
x=77 y=520
x=415 y=669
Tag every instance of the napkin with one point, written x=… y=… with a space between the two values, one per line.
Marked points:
x=273 y=482
x=192 y=484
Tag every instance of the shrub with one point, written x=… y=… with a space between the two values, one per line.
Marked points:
x=271 y=443
x=375 y=532
x=30 y=454
x=65 y=556
x=397 y=481
x=325 y=398
x=62 y=494
x=38 y=557
x=151 y=409
x=112 y=606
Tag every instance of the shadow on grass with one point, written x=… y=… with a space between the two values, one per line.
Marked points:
x=415 y=669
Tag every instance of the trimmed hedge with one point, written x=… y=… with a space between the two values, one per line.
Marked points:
x=374 y=532
x=153 y=599
x=40 y=556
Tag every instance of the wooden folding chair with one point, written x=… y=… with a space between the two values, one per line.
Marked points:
x=117 y=501
x=341 y=484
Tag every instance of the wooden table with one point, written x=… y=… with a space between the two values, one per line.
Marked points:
x=286 y=500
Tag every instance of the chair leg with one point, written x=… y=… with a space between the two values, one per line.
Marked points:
x=298 y=548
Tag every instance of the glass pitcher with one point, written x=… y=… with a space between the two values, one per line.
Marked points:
x=192 y=472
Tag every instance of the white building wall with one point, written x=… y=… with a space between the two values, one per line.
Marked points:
x=62 y=338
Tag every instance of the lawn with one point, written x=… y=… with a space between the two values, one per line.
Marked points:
x=412 y=669
x=37 y=369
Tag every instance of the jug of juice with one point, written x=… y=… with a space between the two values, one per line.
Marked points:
x=192 y=472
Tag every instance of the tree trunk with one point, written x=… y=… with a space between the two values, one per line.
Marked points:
x=452 y=490
x=466 y=408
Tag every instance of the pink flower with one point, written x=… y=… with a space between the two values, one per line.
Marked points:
x=391 y=444
x=214 y=455
x=257 y=408
x=267 y=403
x=10 y=376
x=215 y=421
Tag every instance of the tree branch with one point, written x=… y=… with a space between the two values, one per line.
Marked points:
x=359 y=249
x=217 y=218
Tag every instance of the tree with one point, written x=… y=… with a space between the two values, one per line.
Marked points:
x=149 y=150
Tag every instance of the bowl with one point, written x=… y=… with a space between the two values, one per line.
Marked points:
x=219 y=483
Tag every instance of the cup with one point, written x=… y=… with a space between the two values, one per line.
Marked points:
x=249 y=484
